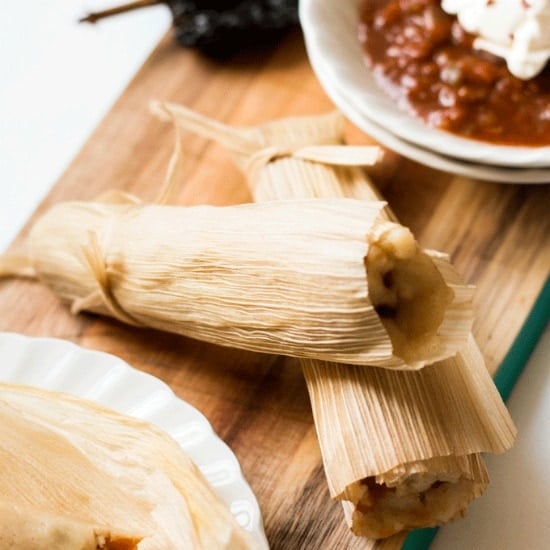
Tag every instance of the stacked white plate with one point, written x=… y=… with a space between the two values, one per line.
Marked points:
x=336 y=55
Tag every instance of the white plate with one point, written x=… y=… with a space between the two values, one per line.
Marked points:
x=424 y=156
x=330 y=30
x=54 y=364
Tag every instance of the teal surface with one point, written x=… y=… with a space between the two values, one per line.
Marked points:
x=505 y=379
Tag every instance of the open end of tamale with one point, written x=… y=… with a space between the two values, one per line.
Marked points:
x=407 y=291
x=423 y=501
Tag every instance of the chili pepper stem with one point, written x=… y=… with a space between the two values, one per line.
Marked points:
x=135 y=5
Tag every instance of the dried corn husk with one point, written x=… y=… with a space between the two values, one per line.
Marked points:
x=383 y=434
x=77 y=475
x=285 y=277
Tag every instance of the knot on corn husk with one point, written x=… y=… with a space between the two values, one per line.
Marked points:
x=335 y=155
x=94 y=259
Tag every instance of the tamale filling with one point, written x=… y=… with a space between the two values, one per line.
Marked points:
x=119 y=543
x=407 y=291
x=422 y=501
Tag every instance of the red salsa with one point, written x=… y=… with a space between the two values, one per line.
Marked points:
x=423 y=59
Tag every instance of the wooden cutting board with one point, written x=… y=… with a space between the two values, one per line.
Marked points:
x=497 y=235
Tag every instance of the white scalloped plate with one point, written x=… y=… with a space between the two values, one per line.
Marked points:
x=330 y=31
x=59 y=365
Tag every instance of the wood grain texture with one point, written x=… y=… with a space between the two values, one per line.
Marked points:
x=498 y=236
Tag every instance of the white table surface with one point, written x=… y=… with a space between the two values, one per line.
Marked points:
x=58 y=79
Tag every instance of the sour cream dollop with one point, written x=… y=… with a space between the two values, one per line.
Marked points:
x=516 y=30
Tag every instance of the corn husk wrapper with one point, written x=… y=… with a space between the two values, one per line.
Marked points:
x=77 y=475
x=284 y=277
x=418 y=434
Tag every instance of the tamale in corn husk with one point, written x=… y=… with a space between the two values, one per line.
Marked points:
x=400 y=449
x=77 y=475
x=300 y=278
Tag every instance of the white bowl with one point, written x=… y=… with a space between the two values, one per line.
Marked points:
x=500 y=174
x=331 y=33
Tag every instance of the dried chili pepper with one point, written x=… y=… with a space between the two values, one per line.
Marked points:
x=220 y=27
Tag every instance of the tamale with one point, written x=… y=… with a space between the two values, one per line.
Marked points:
x=400 y=449
x=77 y=475
x=328 y=279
